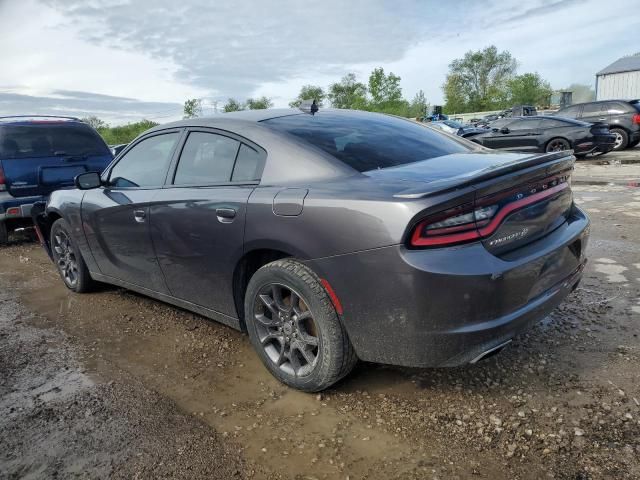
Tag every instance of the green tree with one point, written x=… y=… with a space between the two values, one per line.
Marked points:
x=384 y=89
x=124 y=133
x=233 y=105
x=95 y=122
x=309 y=92
x=259 y=103
x=529 y=89
x=478 y=81
x=192 y=108
x=348 y=93
x=418 y=106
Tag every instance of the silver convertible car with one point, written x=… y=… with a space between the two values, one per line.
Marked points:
x=328 y=237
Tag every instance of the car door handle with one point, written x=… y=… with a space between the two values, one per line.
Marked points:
x=139 y=215
x=225 y=215
x=602 y=119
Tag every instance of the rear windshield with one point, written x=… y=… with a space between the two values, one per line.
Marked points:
x=367 y=141
x=46 y=140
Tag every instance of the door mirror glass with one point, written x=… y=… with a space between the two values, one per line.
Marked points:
x=87 y=181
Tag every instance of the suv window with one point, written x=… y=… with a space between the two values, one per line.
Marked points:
x=146 y=164
x=594 y=109
x=206 y=158
x=570 y=112
x=617 y=108
x=50 y=139
x=368 y=142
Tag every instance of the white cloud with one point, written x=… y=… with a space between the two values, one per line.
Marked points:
x=167 y=51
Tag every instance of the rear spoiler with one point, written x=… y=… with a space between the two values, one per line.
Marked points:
x=557 y=161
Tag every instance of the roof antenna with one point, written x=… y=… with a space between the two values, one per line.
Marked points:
x=309 y=106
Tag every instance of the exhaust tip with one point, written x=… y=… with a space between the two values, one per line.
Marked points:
x=491 y=352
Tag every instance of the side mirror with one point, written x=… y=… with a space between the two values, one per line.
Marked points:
x=87 y=181
x=504 y=130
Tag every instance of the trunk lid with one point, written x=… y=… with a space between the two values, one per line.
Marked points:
x=517 y=198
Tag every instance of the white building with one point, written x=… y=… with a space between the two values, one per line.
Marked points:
x=620 y=80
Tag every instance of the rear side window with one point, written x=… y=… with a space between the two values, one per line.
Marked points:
x=367 y=141
x=206 y=158
x=248 y=165
x=146 y=163
x=50 y=139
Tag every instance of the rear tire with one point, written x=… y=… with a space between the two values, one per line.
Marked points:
x=622 y=139
x=4 y=234
x=68 y=259
x=633 y=144
x=294 y=327
x=557 y=145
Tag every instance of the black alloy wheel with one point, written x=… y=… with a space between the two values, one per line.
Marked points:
x=286 y=329
x=557 y=145
x=65 y=258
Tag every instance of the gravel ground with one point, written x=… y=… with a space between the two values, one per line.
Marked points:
x=115 y=384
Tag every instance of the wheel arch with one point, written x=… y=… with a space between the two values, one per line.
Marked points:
x=246 y=266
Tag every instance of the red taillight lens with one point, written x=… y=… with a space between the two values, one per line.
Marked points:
x=471 y=222
x=3 y=181
x=636 y=118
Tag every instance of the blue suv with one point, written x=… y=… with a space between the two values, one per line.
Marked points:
x=40 y=154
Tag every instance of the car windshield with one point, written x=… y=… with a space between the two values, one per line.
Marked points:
x=367 y=141
x=49 y=139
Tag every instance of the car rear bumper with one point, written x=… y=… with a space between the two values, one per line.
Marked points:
x=448 y=306
x=16 y=207
x=598 y=144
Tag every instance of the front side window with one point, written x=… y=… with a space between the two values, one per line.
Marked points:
x=146 y=164
x=206 y=158
x=570 y=112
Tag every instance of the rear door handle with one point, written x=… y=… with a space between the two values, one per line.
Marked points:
x=225 y=215
x=139 y=215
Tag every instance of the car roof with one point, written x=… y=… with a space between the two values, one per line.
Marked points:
x=241 y=116
x=36 y=119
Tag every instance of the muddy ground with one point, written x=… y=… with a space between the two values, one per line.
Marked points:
x=112 y=384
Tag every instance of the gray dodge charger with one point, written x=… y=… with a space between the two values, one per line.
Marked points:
x=328 y=237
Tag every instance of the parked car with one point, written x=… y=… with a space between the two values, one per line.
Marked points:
x=328 y=237
x=546 y=134
x=116 y=149
x=457 y=128
x=39 y=154
x=621 y=116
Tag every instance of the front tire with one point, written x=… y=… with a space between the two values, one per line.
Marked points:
x=622 y=139
x=68 y=260
x=294 y=327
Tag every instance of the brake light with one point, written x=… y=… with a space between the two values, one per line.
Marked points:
x=636 y=118
x=470 y=222
x=3 y=181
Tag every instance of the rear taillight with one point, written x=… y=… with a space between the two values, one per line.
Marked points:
x=636 y=118
x=470 y=222
x=3 y=181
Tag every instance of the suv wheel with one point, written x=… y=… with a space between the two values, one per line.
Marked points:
x=294 y=327
x=622 y=138
x=4 y=234
x=68 y=259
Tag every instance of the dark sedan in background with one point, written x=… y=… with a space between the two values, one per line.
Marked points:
x=546 y=134
x=328 y=237
x=457 y=128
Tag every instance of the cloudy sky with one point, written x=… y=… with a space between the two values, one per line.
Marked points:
x=124 y=60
